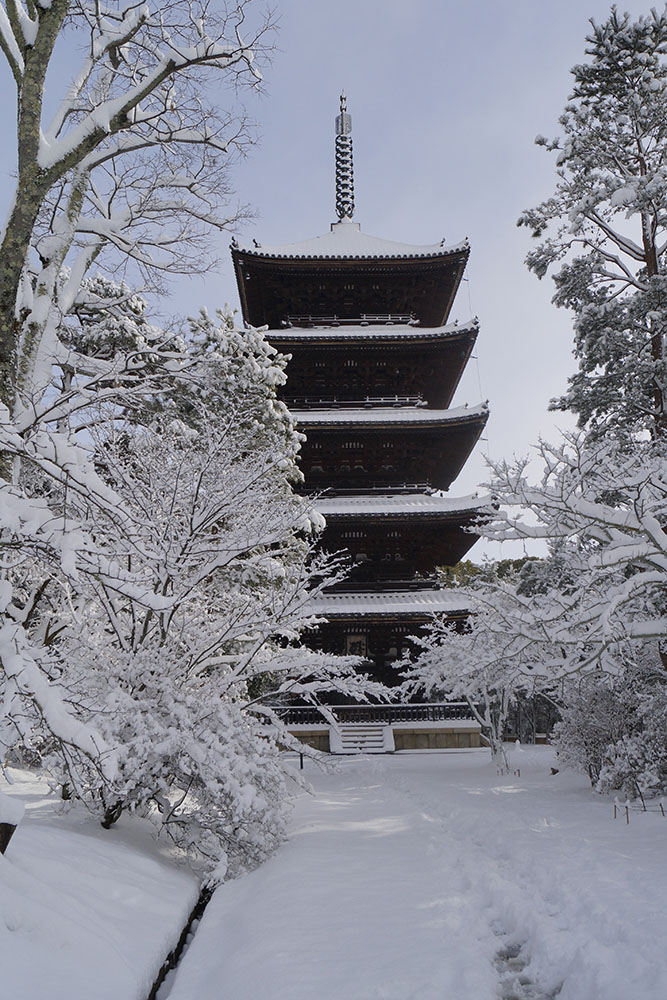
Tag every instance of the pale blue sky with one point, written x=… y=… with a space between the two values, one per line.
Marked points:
x=446 y=99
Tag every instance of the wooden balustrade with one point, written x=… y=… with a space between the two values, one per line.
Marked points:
x=387 y=714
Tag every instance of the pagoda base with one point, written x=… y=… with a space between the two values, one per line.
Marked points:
x=386 y=728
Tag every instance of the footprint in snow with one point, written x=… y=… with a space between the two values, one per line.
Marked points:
x=515 y=984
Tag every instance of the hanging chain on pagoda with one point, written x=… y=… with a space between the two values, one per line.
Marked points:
x=344 y=172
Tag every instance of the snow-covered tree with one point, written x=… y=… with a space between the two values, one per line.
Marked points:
x=602 y=590
x=484 y=664
x=43 y=548
x=601 y=504
x=605 y=509
x=164 y=593
x=131 y=163
x=606 y=225
x=602 y=498
x=613 y=728
x=128 y=172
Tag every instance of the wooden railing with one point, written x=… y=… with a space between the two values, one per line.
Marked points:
x=387 y=714
x=363 y=402
x=364 y=319
x=397 y=489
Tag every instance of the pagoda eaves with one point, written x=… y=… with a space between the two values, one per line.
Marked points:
x=417 y=504
x=375 y=329
x=418 y=604
x=346 y=273
x=345 y=241
x=391 y=416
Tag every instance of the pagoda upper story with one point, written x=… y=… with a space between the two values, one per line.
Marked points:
x=348 y=277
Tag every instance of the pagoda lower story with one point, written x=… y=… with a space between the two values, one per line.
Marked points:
x=374 y=365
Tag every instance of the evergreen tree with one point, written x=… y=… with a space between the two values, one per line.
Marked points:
x=606 y=224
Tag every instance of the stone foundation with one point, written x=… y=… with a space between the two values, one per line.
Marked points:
x=404 y=739
x=318 y=739
x=436 y=739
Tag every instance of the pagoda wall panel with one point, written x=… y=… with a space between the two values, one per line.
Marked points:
x=398 y=548
x=372 y=457
x=381 y=643
x=355 y=372
x=274 y=290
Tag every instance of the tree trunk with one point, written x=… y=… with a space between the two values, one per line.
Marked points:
x=657 y=333
x=13 y=256
x=33 y=184
x=112 y=814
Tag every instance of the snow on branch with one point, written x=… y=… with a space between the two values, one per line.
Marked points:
x=605 y=509
x=10 y=47
x=131 y=166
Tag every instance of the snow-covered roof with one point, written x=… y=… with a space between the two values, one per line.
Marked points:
x=347 y=241
x=401 y=503
x=385 y=331
x=413 y=415
x=420 y=603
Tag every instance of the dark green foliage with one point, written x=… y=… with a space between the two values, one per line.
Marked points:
x=606 y=226
x=469 y=574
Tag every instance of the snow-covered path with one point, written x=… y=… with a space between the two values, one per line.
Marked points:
x=417 y=877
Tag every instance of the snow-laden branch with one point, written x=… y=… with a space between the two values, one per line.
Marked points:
x=95 y=182
x=10 y=47
x=624 y=243
x=163 y=561
x=111 y=115
x=25 y=677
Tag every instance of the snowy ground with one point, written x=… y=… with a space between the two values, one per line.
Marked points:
x=85 y=914
x=410 y=877
x=424 y=876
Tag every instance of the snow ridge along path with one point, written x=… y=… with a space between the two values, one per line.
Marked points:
x=85 y=913
x=428 y=876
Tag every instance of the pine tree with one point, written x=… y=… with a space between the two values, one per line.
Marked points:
x=606 y=224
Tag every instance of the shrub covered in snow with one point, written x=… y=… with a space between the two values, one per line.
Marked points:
x=637 y=763
x=615 y=729
x=596 y=713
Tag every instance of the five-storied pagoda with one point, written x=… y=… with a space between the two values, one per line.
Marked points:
x=374 y=366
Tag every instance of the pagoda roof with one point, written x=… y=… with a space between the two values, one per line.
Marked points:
x=346 y=241
x=414 y=416
x=422 y=504
x=413 y=603
x=385 y=331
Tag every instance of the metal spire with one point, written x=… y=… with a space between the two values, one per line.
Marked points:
x=344 y=172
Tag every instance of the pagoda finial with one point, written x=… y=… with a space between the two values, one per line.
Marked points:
x=344 y=172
